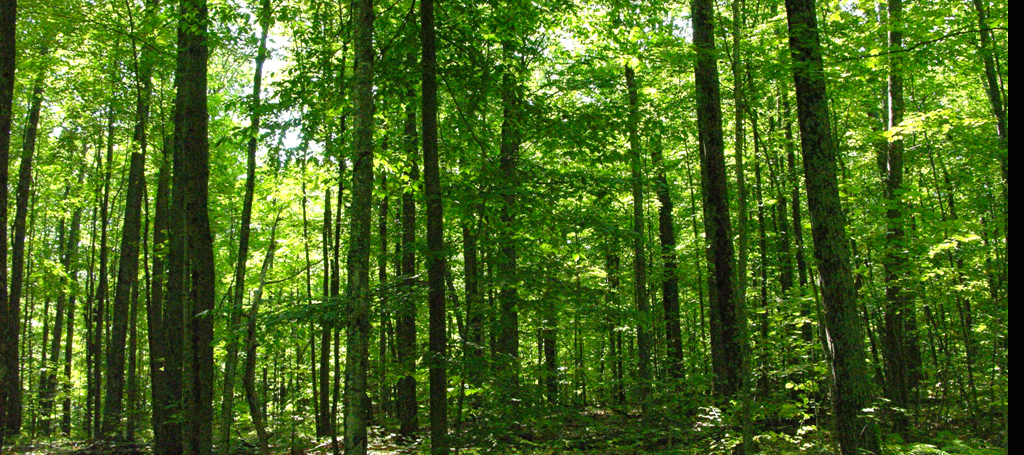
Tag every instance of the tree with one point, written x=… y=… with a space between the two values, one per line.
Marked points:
x=851 y=392
x=436 y=261
x=194 y=151
x=727 y=314
x=10 y=422
x=358 y=293
x=127 y=278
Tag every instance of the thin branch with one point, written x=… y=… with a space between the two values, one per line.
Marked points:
x=918 y=45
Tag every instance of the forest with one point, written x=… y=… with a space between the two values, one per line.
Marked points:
x=504 y=226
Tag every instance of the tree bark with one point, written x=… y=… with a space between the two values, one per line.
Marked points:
x=670 y=273
x=507 y=363
x=127 y=276
x=10 y=397
x=195 y=153
x=727 y=315
x=643 y=334
x=851 y=388
x=406 y=314
x=358 y=292
x=437 y=263
x=18 y=259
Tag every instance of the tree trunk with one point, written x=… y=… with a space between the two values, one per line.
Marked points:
x=71 y=271
x=406 y=314
x=897 y=343
x=231 y=359
x=851 y=389
x=670 y=274
x=18 y=262
x=195 y=153
x=643 y=335
x=127 y=276
x=437 y=263
x=324 y=421
x=249 y=372
x=10 y=397
x=728 y=323
x=161 y=320
x=359 y=293
x=507 y=363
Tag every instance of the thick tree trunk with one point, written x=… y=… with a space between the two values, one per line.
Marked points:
x=437 y=264
x=728 y=323
x=127 y=276
x=507 y=362
x=359 y=293
x=195 y=153
x=851 y=388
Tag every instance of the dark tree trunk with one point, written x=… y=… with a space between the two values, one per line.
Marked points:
x=324 y=421
x=728 y=324
x=18 y=261
x=897 y=343
x=195 y=153
x=851 y=387
x=437 y=263
x=507 y=363
x=406 y=314
x=358 y=293
x=160 y=319
x=643 y=334
x=670 y=274
x=95 y=349
x=70 y=263
x=127 y=276
x=10 y=397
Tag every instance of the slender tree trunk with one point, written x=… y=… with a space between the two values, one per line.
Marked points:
x=739 y=148
x=71 y=271
x=437 y=263
x=728 y=324
x=358 y=292
x=18 y=262
x=99 y=304
x=670 y=274
x=249 y=372
x=10 y=397
x=127 y=277
x=851 y=391
x=231 y=360
x=324 y=427
x=643 y=334
x=160 y=319
x=898 y=308
x=406 y=314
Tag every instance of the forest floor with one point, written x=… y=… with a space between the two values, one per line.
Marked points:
x=591 y=432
